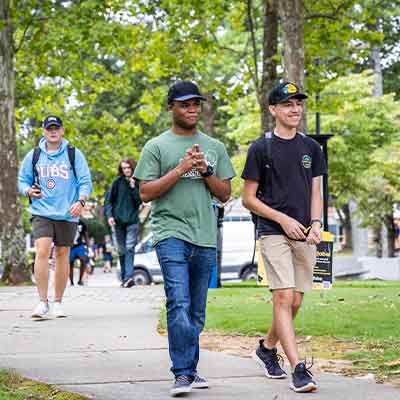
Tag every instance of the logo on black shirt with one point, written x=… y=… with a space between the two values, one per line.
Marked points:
x=306 y=161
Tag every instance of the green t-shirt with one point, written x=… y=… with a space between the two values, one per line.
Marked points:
x=184 y=212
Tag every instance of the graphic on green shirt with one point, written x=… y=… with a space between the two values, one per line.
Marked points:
x=184 y=212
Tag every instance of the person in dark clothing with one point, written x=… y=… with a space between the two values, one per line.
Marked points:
x=122 y=204
x=284 y=191
x=79 y=251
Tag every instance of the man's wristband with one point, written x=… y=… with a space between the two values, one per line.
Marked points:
x=83 y=202
x=313 y=221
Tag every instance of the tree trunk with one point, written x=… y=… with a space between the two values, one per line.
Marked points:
x=291 y=13
x=270 y=49
x=377 y=231
x=345 y=219
x=12 y=240
x=391 y=234
x=376 y=92
x=209 y=114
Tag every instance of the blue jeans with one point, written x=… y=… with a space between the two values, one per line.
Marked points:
x=126 y=236
x=186 y=269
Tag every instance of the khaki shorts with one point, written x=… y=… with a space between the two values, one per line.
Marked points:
x=62 y=232
x=288 y=263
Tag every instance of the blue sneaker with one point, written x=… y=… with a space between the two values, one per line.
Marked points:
x=199 y=383
x=269 y=360
x=183 y=384
x=302 y=380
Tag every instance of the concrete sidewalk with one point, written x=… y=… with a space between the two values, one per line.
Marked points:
x=109 y=349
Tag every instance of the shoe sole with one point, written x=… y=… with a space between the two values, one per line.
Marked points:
x=310 y=387
x=39 y=318
x=60 y=316
x=255 y=357
x=178 y=392
x=200 y=385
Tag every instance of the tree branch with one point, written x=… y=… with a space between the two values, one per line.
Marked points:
x=253 y=42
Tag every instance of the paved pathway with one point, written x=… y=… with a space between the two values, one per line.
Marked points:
x=109 y=349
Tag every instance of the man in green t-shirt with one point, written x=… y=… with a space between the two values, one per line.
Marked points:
x=179 y=172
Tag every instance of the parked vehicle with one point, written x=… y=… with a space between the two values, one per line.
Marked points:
x=237 y=253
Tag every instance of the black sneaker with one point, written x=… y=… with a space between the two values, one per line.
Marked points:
x=183 y=384
x=302 y=380
x=129 y=283
x=269 y=360
x=199 y=383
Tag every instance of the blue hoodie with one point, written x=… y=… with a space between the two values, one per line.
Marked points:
x=60 y=188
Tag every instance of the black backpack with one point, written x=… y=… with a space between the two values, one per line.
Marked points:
x=35 y=159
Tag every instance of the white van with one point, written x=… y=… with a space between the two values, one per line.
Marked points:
x=237 y=253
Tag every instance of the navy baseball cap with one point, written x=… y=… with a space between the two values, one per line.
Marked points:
x=184 y=90
x=283 y=92
x=52 y=120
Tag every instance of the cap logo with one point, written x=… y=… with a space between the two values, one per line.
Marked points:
x=289 y=88
x=52 y=119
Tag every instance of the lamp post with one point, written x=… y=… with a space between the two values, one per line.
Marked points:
x=317 y=98
x=323 y=141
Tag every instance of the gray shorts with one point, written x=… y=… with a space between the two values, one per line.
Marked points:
x=62 y=232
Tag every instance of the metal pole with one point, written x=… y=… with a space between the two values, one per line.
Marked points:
x=317 y=116
x=325 y=188
x=317 y=98
x=220 y=224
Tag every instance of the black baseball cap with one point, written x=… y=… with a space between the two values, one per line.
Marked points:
x=283 y=92
x=184 y=90
x=52 y=120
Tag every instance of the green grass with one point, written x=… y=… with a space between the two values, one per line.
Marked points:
x=14 y=387
x=362 y=312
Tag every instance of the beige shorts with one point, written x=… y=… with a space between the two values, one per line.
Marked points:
x=288 y=263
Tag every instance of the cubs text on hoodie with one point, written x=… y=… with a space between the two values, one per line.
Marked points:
x=59 y=186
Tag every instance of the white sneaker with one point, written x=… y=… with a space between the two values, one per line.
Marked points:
x=58 y=312
x=41 y=311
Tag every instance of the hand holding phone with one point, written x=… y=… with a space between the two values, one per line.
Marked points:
x=35 y=191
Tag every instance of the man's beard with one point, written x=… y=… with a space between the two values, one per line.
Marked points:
x=185 y=125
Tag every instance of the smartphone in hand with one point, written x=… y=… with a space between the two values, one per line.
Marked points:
x=37 y=187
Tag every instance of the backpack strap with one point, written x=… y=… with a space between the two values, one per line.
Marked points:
x=35 y=159
x=265 y=180
x=71 y=157
x=265 y=176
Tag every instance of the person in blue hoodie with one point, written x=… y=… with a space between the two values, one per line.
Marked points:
x=57 y=191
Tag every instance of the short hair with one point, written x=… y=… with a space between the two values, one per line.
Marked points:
x=129 y=161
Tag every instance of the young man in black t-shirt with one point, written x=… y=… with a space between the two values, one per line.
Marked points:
x=289 y=211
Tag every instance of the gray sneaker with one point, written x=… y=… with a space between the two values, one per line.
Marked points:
x=199 y=383
x=183 y=384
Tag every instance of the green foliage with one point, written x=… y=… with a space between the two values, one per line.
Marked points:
x=244 y=124
x=382 y=185
x=238 y=164
x=362 y=124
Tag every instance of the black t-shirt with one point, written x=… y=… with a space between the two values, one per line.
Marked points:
x=80 y=234
x=294 y=163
